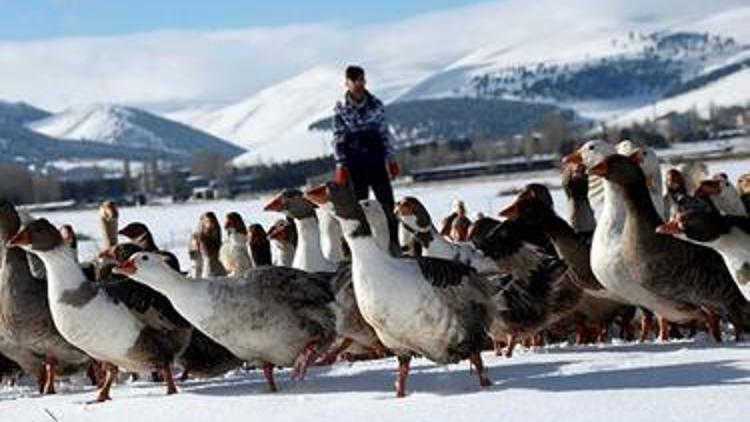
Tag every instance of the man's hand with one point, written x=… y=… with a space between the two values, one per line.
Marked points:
x=394 y=170
x=342 y=175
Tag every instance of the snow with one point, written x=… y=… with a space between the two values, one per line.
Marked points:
x=645 y=382
x=682 y=380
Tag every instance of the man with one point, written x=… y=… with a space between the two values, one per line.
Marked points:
x=362 y=146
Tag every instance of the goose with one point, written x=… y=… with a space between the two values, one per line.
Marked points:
x=140 y=234
x=70 y=238
x=209 y=240
x=576 y=186
x=416 y=219
x=308 y=255
x=534 y=206
x=273 y=315
x=25 y=319
x=651 y=168
x=722 y=195
x=331 y=240
x=458 y=211
x=144 y=341
x=233 y=253
x=283 y=238
x=677 y=197
x=258 y=246
x=727 y=234
x=376 y=217
x=743 y=188
x=693 y=276
x=435 y=308
x=607 y=258
x=109 y=216
x=194 y=253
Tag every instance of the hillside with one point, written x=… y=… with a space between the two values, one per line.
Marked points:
x=128 y=127
x=20 y=113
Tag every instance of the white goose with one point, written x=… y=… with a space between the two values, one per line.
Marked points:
x=431 y=307
x=283 y=237
x=233 y=254
x=308 y=255
x=606 y=258
x=96 y=319
x=331 y=240
x=415 y=218
x=274 y=315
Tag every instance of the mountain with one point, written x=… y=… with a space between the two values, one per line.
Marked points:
x=21 y=145
x=130 y=128
x=20 y=113
x=601 y=62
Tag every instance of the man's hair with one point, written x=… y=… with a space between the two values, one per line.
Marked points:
x=354 y=72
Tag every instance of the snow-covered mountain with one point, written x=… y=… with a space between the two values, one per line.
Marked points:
x=20 y=113
x=603 y=62
x=128 y=127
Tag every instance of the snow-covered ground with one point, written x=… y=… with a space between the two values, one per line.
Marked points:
x=681 y=381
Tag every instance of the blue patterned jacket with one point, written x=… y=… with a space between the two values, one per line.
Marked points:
x=360 y=129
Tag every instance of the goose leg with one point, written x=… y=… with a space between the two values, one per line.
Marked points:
x=49 y=379
x=580 y=334
x=476 y=360
x=308 y=355
x=94 y=373
x=647 y=322
x=166 y=375
x=712 y=325
x=268 y=374
x=602 y=332
x=330 y=357
x=512 y=340
x=736 y=319
x=109 y=378
x=664 y=327
x=41 y=379
x=403 y=374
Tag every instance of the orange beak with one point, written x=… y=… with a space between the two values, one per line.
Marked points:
x=20 y=239
x=601 y=169
x=573 y=158
x=670 y=227
x=275 y=204
x=403 y=209
x=126 y=268
x=318 y=195
x=512 y=212
x=277 y=233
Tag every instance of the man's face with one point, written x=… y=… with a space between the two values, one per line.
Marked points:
x=356 y=86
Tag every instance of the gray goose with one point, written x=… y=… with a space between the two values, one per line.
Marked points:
x=431 y=307
x=273 y=315
x=86 y=313
x=691 y=275
x=283 y=238
x=25 y=319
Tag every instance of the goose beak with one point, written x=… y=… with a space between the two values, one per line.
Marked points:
x=126 y=268
x=275 y=232
x=671 y=227
x=708 y=188
x=403 y=209
x=318 y=195
x=275 y=204
x=512 y=212
x=21 y=238
x=573 y=158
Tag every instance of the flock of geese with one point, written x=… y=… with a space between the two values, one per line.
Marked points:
x=325 y=282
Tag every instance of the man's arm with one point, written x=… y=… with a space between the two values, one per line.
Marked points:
x=339 y=130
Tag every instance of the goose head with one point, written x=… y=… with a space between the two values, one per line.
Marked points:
x=108 y=211
x=696 y=226
x=481 y=227
x=39 y=236
x=532 y=205
x=575 y=181
x=620 y=169
x=675 y=181
x=209 y=234
x=293 y=203
x=148 y=268
x=413 y=215
x=590 y=153
x=256 y=234
x=649 y=161
x=140 y=234
x=743 y=184
x=340 y=202
x=10 y=221
x=233 y=223
x=283 y=231
x=460 y=228
x=69 y=236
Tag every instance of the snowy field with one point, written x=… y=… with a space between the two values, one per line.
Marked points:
x=679 y=381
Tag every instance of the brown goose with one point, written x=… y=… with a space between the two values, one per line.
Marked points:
x=25 y=319
x=435 y=308
x=81 y=308
x=233 y=254
x=743 y=188
x=139 y=234
x=693 y=276
x=722 y=195
x=209 y=240
x=258 y=246
x=274 y=315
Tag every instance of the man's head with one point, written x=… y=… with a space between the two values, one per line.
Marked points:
x=355 y=79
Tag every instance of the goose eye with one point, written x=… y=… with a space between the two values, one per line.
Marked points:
x=591 y=147
x=145 y=258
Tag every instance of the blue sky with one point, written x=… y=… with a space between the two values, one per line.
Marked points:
x=35 y=19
